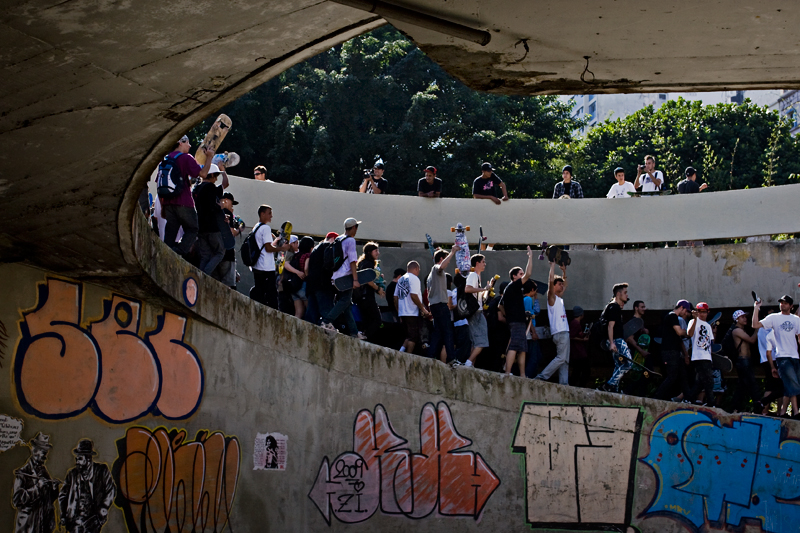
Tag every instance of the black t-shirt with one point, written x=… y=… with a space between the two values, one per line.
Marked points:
x=318 y=278
x=568 y=189
x=669 y=339
x=513 y=302
x=390 y=296
x=486 y=187
x=230 y=255
x=206 y=201
x=688 y=186
x=613 y=313
x=380 y=183
x=424 y=187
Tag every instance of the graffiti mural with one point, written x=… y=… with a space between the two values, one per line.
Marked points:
x=382 y=472
x=3 y=341
x=168 y=484
x=87 y=493
x=61 y=368
x=579 y=464
x=726 y=475
x=35 y=491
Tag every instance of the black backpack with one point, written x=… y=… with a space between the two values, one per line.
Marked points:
x=250 y=251
x=729 y=348
x=169 y=182
x=334 y=254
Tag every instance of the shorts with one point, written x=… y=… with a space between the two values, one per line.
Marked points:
x=478 y=330
x=301 y=294
x=789 y=371
x=412 y=328
x=518 y=341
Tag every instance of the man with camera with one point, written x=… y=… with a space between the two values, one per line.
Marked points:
x=647 y=177
x=374 y=182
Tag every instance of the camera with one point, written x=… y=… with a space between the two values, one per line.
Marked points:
x=369 y=171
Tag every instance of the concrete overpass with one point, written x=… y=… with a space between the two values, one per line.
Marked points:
x=107 y=336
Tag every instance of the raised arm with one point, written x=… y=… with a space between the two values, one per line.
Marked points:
x=528 y=267
x=551 y=294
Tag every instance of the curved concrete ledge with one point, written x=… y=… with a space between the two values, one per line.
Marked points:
x=393 y=218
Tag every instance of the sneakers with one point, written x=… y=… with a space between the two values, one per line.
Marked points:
x=468 y=364
x=329 y=327
x=605 y=387
x=360 y=336
x=455 y=362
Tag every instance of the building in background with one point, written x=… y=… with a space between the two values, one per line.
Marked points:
x=600 y=107
x=788 y=105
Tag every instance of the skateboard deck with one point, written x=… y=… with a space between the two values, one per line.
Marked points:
x=558 y=256
x=544 y=247
x=462 y=253
x=715 y=318
x=632 y=326
x=286 y=233
x=227 y=159
x=652 y=193
x=720 y=361
x=490 y=284
x=430 y=247
x=364 y=276
x=481 y=245
x=638 y=367
x=225 y=231
x=213 y=138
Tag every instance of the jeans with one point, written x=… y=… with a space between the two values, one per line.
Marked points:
x=561 y=362
x=211 y=250
x=178 y=216
x=676 y=372
x=532 y=360
x=620 y=367
x=442 y=332
x=370 y=315
x=705 y=381
x=789 y=371
x=265 y=290
x=462 y=342
x=344 y=301
x=747 y=383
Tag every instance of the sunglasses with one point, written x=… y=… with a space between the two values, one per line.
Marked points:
x=257 y=173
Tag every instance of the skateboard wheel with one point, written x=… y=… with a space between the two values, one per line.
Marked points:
x=621 y=359
x=452 y=229
x=466 y=229
x=646 y=374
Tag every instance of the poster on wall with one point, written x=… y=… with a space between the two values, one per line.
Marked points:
x=269 y=452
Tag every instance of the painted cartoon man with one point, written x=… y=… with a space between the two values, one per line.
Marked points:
x=35 y=491
x=87 y=493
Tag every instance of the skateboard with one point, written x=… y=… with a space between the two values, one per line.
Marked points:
x=481 y=246
x=755 y=296
x=650 y=193
x=639 y=367
x=430 y=247
x=629 y=328
x=544 y=247
x=213 y=138
x=225 y=231
x=286 y=233
x=720 y=361
x=491 y=283
x=715 y=319
x=558 y=256
x=227 y=159
x=364 y=276
x=462 y=254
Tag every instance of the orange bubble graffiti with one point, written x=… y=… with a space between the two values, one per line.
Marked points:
x=167 y=484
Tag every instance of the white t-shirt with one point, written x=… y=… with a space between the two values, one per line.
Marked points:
x=266 y=261
x=620 y=191
x=453 y=301
x=702 y=340
x=762 y=343
x=647 y=184
x=407 y=285
x=786 y=329
x=350 y=256
x=557 y=316
x=474 y=280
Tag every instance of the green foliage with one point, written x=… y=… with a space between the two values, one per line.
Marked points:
x=731 y=146
x=323 y=121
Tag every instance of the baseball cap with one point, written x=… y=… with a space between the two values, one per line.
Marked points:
x=568 y=168
x=331 y=235
x=293 y=239
x=618 y=170
x=737 y=314
x=184 y=139
x=577 y=311
x=690 y=171
x=487 y=166
x=685 y=304
x=786 y=298
x=350 y=222
x=702 y=306
x=229 y=196
x=431 y=168
x=214 y=169
x=378 y=164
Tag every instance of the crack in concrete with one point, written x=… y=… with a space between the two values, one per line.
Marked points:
x=31 y=121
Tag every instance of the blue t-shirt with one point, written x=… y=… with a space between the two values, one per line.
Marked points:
x=532 y=307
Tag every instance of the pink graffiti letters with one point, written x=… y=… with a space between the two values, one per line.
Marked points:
x=62 y=368
x=382 y=472
x=167 y=485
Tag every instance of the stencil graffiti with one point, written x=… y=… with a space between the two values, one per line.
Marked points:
x=579 y=464
x=87 y=493
x=35 y=492
x=62 y=368
x=10 y=431
x=725 y=475
x=382 y=472
x=169 y=485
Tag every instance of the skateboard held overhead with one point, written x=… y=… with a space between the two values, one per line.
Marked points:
x=544 y=248
x=430 y=247
x=213 y=138
x=462 y=252
x=227 y=159
x=364 y=276
x=558 y=256
x=286 y=233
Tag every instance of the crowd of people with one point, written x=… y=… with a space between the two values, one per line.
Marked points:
x=461 y=319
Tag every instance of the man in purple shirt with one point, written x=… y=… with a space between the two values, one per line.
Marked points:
x=179 y=211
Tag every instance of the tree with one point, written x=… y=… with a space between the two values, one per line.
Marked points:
x=732 y=146
x=323 y=121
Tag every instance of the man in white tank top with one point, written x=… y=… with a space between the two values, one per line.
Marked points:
x=559 y=327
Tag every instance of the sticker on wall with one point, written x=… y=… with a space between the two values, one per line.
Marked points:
x=381 y=472
x=579 y=464
x=269 y=451
x=10 y=431
x=190 y=291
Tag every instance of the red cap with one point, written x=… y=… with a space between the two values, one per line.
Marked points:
x=702 y=306
x=331 y=235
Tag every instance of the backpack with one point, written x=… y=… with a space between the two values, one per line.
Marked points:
x=466 y=304
x=729 y=348
x=169 y=181
x=250 y=251
x=334 y=254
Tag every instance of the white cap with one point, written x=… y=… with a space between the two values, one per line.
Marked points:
x=213 y=168
x=293 y=239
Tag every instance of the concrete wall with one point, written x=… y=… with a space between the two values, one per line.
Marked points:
x=183 y=396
